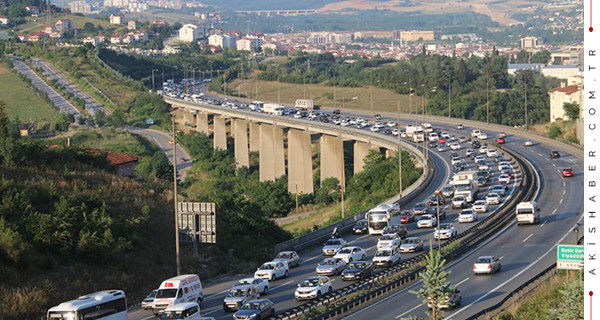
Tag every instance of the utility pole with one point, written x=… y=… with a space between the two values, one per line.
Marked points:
x=343 y=182
x=409 y=92
x=526 y=121
x=153 y=87
x=334 y=95
x=487 y=92
x=399 y=152
x=175 y=195
x=437 y=221
x=278 y=91
x=449 y=93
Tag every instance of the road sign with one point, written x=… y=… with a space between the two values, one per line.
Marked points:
x=197 y=222
x=569 y=257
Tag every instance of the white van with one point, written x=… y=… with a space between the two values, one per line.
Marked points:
x=180 y=289
x=527 y=213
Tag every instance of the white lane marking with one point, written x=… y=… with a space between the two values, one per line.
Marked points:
x=561 y=200
x=146 y=318
x=541 y=155
x=564 y=184
x=211 y=312
x=501 y=258
x=359 y=238
x=411 y=310
x=564 y=191
x=529 y=236
x=541 y=225
x=215 y=294
x=461 y=282
x=552 y=248
x=279 y=286
x=553 y=212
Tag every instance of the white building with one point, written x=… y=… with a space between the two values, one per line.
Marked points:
x=227 y=40
x=4 y=20
x=317 y=39
x=249 y=44
x=561 y=71
x=564 y=94
x=529 y=43
x=80 y=7
x=342 y=38
x=191 y=32
x=116 y=19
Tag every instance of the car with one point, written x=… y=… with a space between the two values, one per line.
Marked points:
x=500 y=140
x=256 y=309
x=483 y=148
x=528 y=143
x=290 y=257
x=504 y=178
x=406 y=216
x=412 y=244
x=442 y=148
x=272 y=270
x=149 y=300
x=452 y=300
x=448 y=191
x=463 y=139
x=509 y=173
x=387 y=257
x=482 y=136
x=453 y=138
x=435 y=211
x=330 y=266
x=395 y=131
x=427 y=221
x=502 y=135
x=333 y=245
x=499 y=189
x=336 y=111
x=432 y=144
x=445 y=231
x=391 y=124
x=445 y=135
x=491 y=153
x=475 y=133
x=298 y=115
x=456 y=162
x=455 y=146
x=554 y=154
x=469 y=152
x=313 y=288
x=435 y=200
x=480 y=206
x=487 y=264
x=454 y=154
x=350 y=254
x=479 y=158
x=236 y=297
x=459 y=202
x=492 y=198
x=377 y=116
x=388 y=240
x=467 y=215
x=567 y=172
x=460 y=126
x=419 y=209
x=475 y=144
x=357 y=270
x=259 y=285
x=503 y=164
x=482 y=181
x=396 y=229
x=360 y=227
x=171 y=142
x=177 y=311
x=375 y=129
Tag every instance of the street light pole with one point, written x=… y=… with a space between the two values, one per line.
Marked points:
x=175 y=195
x=449 y=93
x=399 y=152
x=526 y=122
x=437 y=222
x=487 y=92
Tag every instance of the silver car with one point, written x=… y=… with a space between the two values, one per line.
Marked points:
x=291 y=257
x=411 y=245
x=330 y=266
x=487 y=264
x=236 y=297
x=332 y=246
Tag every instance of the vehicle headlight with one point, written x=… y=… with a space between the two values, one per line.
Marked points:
x=253 y=316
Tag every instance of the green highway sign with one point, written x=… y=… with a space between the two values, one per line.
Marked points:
x=569 y=253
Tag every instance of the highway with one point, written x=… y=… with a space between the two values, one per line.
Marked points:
x=282 y=291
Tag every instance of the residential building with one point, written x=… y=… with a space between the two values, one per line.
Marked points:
x=191 y=32
x=4 y=20
x=249 y=44
x=341 y=38
x=158 y=22
x=514 y=67
x=116 y=38
x=270 y=45
x=227 y=40
x=133 y=24
x=80 y=7
x=172 y=49
x=564 y=94
x=529 y=43
x=37 y=36
x=137 y=6
x=63 y=25
x=317 y=39
x=116 y=19
x=93 y=40
x=416 y=35
x=32 y=10
x=561 y=71
x=568 y=55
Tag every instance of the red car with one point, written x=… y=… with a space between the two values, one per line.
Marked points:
x=407 y=217
x=442 y=141
x=500 y=140
x=567 y=172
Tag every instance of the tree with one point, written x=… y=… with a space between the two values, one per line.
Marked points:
x=541 y=57
x=570 y=303
x=89 y=27
x=329 y=192
x=6 y=139
x=161 y=167
x=436 y=286
x=100 y=118
x=554 y=131
x=117 y=118
x=571 y=110
x=62 y=121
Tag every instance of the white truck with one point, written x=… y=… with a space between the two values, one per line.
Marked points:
x=305 y=104
x=466 y=185
x=183 y=288
x=273 y=108
x=427 y=127
x=411 y=130
x=527 y=213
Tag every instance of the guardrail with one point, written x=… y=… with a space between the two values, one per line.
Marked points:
x=394 y=278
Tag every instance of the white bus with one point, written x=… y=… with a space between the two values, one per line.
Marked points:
x=378 y=217
x=101 y=305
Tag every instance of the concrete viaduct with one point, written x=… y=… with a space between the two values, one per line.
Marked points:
x=253 y=131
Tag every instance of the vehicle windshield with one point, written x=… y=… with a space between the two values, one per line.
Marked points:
x=459 y=199
x=426 y=217
x=236 y=293
x=267 y=266
x=419 y=205
x=328 y=262
x=483 y=260
x=467 y=213
x=284 y=255
x=168 y=315
x=250 y=306
x=525 y=211
x=166 y=293
x=152 y=294
x=409 y=241
x=356 y=266
x=361 y=223
x=346 y=250
x=62 y=315
x=446 y=227
x=310 y=283
x=383 y=253
x=243 y=282
x=498 y=188
x=387 y=237
x=333 y=242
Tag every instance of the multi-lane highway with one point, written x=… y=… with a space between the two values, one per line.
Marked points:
x=282 y=291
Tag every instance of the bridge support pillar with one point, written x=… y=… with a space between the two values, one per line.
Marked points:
x=389 y=153
x=188 y=117
x=254 y=136
x=361 y=150
x=332 y=157
x=202 y=122
x=240 y=128
x=220 y=133
x=271 y=157
x=300 y=177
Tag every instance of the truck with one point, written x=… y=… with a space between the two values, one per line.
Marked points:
x=527 y=213
x=427 y=127
x=411 y=130
x=305 y=104
x=466 y=184
x=273 y=108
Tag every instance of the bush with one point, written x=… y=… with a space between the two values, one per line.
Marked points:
x=554 y=131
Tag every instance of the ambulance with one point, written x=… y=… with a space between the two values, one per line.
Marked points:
x=180 y=289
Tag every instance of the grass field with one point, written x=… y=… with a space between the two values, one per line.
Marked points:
x=20 y=100
x=169 y=17
x=110 y=139
x=318 y=218
x=35 y=24
x=346 y=98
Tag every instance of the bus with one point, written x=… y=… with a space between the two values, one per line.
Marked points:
x=101 y=305
x=378 y=217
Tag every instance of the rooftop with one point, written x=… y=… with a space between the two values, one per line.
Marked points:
x=566 y=90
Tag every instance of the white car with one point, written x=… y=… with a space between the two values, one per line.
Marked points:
x=455 y=146
x=480 y=206
x=492 y=198
x=460 y=126
x=391 y=124
x=487 y=264
x=333 y=245
x=456 y=161
x=375 y=129
x=350 y=254
x=345 y=123
x=475 y=133
x=459 y=202
x=427 y=221
x=389 y=240
x=313 y=288
x=290 y=257
x=483 y=149
x=528 y=143
x=272 y=270
x=482 y=136
x=330 y=266
x=467 y=215
x=463 y=139
x=395 y=131
x=445 y=231
x=445 y=135
x=503 y=164
x=491 y=153
x=483 y=167
x=504 y=178
x=298 y=115
x=442 y=148
x=387 y=257
x=432 y=136
x=469 y=152
x=258 y=284
x=499 y=189
x=412 y=244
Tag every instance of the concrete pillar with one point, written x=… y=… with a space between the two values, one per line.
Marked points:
x=300 y=175
x=278 y=152
x=361 y=150
x=332 y=157
x=220 y=134
x=202 y=122
x=242 y=158
x=254 y=136
x=271 y=159
x=232 y=128
x=389 y=153
x=188 y=117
